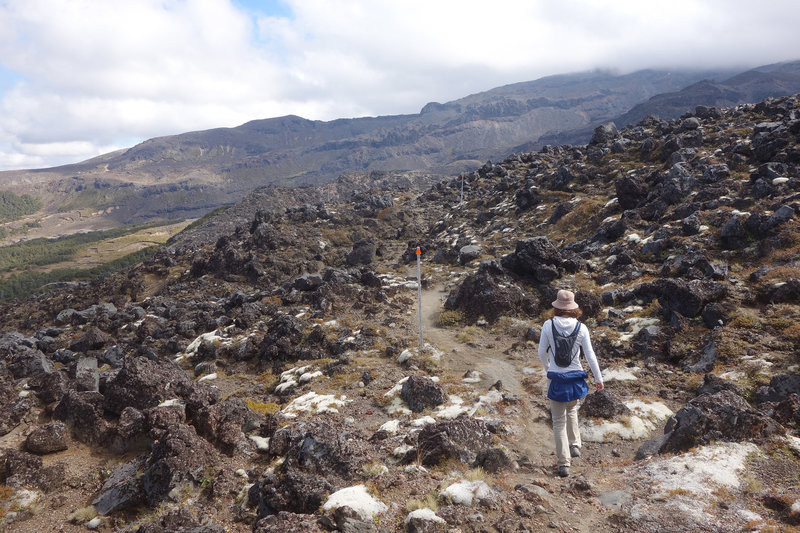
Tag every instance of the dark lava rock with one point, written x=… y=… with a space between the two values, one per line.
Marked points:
x=733 y=234
x=461 y=439
x=83 y=410
x=12 y=413
x=122 y=490
x=179 y=520
x=86 y=376
x=22 y=359
x=604 y=133
x=94 y=339
x=631 y=191
x=363 y=253
x=468 y=254
x=482 y=295
x=685 y=297
x=177 y=458
x=706 y=361
x=787 y=412
x=308 y=282
x=722 y=416
x=46 y=439
x=320 y=455
x=652 y=342
x=286 y=522
x=779 y=388
x=22 y=469
x=493 y=460
x=159 y=420
x=603 y=404
x=537 y=258
x=143 y=383
x=224 y=423
x=422 y=392
x=713 y=384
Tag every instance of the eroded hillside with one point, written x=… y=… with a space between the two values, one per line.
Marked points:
x=268 y=377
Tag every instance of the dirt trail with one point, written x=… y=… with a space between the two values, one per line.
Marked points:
x=534 y=438
x=531 y=432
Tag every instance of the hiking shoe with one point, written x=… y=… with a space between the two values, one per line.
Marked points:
x=563 y=471
x=575 y=451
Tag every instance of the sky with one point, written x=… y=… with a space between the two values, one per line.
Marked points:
x=79 y=78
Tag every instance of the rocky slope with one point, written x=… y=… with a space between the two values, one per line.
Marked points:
x=267 y=377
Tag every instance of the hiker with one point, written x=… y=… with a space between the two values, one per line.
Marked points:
x=565 y=338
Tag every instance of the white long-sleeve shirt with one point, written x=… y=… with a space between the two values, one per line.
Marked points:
x=566 y=326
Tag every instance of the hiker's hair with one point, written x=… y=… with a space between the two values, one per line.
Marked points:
x=568 y=313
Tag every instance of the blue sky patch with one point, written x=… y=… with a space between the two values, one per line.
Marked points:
x=273 y=8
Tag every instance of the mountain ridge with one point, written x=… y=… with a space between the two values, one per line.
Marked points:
x=188 y=174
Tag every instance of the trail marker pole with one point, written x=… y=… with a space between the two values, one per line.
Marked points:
x=419 y=295
x=462 y=190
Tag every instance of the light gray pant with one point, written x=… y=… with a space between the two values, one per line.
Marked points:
x=565 y=429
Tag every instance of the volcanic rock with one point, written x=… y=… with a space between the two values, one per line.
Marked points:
x=46 y=439
x=422 y=393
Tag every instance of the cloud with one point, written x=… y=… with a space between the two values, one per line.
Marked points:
x=79 y=76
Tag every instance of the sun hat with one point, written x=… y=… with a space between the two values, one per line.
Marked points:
x=565 y=300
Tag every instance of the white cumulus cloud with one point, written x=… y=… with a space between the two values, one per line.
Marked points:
x=78 y=77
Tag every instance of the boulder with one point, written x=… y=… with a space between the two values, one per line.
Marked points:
x=422 y=393
x=225 y=423
x=363 y=253
x=604 y=134
x=733 y=234
x=483 y=295
x=143 y=383
x=286 y=522
x=87 y=377
x=493 y=460
x=12 y=413
x=652 y=342
x=537 y=258
x=319 y=455
x=22 y=469
x=779 y=388
x=23 y=360
x=722 y=416
x=46 y=439
x=94 y=339
x=713 y=384
x=469 y=253
x=631 y=191
x=122 y=490
x=685 y=297
x=783 y=215
x=308 y=282
x=461 y=439
x=83 y=410
x=603 y=404
x=178 y=458
x=706 y=361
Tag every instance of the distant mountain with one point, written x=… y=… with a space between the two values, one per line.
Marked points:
x=780 y=79
x=189 y=174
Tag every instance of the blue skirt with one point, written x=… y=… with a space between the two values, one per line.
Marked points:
x=567 y=386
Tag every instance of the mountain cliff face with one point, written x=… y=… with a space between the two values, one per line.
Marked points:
x=752 y=86
x=263 y=373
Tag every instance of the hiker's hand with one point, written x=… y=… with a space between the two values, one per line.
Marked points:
x=599 y=386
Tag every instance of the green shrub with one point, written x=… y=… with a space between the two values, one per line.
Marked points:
x=13 y=206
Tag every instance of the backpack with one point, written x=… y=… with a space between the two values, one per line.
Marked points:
x=563 y=344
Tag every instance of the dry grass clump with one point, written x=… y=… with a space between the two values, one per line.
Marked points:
x=449 y=319
x=263 y=408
